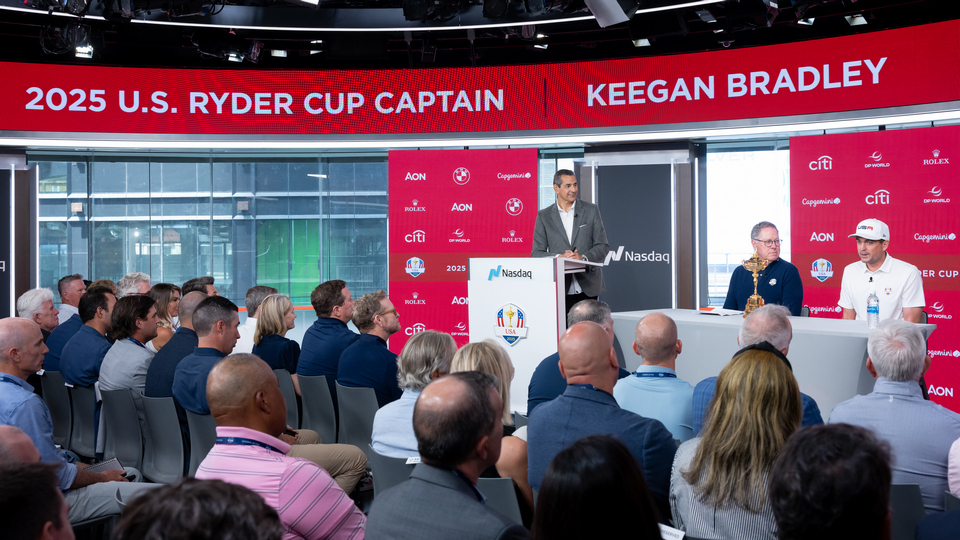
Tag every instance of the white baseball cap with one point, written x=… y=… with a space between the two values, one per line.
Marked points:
x=872 y=229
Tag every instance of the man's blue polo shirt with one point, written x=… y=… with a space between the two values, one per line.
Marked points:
x=779 y=283
x=58 y=338
x=164 y=365
x=368 y=363
x=82 y=356
x=190 y=379
x=320 y=351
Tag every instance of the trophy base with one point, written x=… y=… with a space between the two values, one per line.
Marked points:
x=753 y=303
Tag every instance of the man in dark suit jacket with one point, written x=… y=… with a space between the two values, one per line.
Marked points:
x=457 y=424
x=572 y=229
x=587 y=407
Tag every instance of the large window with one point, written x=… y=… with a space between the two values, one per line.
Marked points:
x=288 y=222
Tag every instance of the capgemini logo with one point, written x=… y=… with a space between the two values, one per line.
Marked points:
x=937 y=306
x=936 y=191
x=876 y=156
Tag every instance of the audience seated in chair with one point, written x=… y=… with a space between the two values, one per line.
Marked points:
x=37 y=305
x=134 y=324
x=919 y=432
x=252 y=302
x=253 y=451
x=168 y=298
x=275 y=316
x=718 y=487
x=71 y=288
x=134 y=283
x=425 y=357
x=368 y=363
x=457 y=421
x=32 y=503
x=594 y=489
x=160 y=374
x=192 y=509
x=832 y=481
x=83 y=353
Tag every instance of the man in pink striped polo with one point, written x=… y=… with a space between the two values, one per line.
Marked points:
x=246 y=402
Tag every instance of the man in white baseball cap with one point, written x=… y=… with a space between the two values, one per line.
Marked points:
x=898 y=284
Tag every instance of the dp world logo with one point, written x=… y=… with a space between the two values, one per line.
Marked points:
x=822 y=270
x=876 y=156
x=461 y=176
x=415 y=266
x=514 y=206
x=511 y=324
x=937 y=306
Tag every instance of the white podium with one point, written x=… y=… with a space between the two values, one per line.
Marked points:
x=519 y=303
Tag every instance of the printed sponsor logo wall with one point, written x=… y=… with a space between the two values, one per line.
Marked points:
x=909 y=179
x=445 y=207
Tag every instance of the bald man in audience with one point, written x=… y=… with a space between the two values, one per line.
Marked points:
x=457 y=424
x=89 y=495
x=770 y=323
x=16 y=446
x=587 y=407
x=246 y=402
x=654 y=390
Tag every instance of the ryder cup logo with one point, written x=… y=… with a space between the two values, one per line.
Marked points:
x=415 y=266
x=511 y=324
x=514 y=206
x=822 y=270
x=461 y=176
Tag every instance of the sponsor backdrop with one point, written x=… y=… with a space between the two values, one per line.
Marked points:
x=636 y=203
x=445 y=207
x=866 y=71
x=910 y=180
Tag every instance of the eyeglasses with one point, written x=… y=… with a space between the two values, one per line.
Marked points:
x=387 y=312
x=769 y=243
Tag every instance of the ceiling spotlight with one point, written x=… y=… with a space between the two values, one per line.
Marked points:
x=855 y=20
x=706 y=16
x=644 y=42
x=84 y=51
x=541 y=36
x=805 y=22
x=278 y=53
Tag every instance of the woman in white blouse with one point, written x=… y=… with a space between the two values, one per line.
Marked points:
x=718 y=488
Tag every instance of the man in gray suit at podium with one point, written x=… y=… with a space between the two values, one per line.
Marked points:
x=572 y=229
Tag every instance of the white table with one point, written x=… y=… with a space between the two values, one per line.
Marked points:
x=828 y=355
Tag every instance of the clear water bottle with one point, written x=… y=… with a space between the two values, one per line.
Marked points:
x=873 y=310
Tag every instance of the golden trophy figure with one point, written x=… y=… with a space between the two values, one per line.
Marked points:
x=754 y=264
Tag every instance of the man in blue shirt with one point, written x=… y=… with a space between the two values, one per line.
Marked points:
x=58 y=339
x=778 y=283
x=184 y=341
x=654 y=391
x=770 y=323
x=368 y=363
x=587 y=407
x=215 y=321
x=919 y=432
x=89 y=495
x=547 y=383
x=83 y=354
x=326 y=339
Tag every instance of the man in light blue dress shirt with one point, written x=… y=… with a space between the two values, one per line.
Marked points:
x=920 y=432
x=654 y=390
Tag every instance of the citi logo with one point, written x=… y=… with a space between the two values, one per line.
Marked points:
x=881 y=196
x=460 y=301
x=415 y=176
x=416 y=328
x=416 y=237
x=415 y=207
x=416 y=301
x=937 y=160
x=462 y=207
x=926 y=238
x=821 y=237
x=822 y=163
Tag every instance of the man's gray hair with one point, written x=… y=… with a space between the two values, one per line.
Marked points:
x=558 y=177
x=755 y=232
x=424 y=353
x=31 y=302
x=589 y=310
x=897 y=350
x=768 y=323
x=128 y=283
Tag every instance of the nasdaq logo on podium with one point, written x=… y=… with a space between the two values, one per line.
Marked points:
x=822 y=270
x=511 y=324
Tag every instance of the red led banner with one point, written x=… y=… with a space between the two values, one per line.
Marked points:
x=881 y=69
x=909 y=179
x=447 y=206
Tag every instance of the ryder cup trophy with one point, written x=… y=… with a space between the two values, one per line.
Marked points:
x=755 y=265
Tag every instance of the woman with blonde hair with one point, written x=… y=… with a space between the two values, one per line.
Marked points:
x=167 y=297
x=718 y=487
x=274 y=319
x=489 y=357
